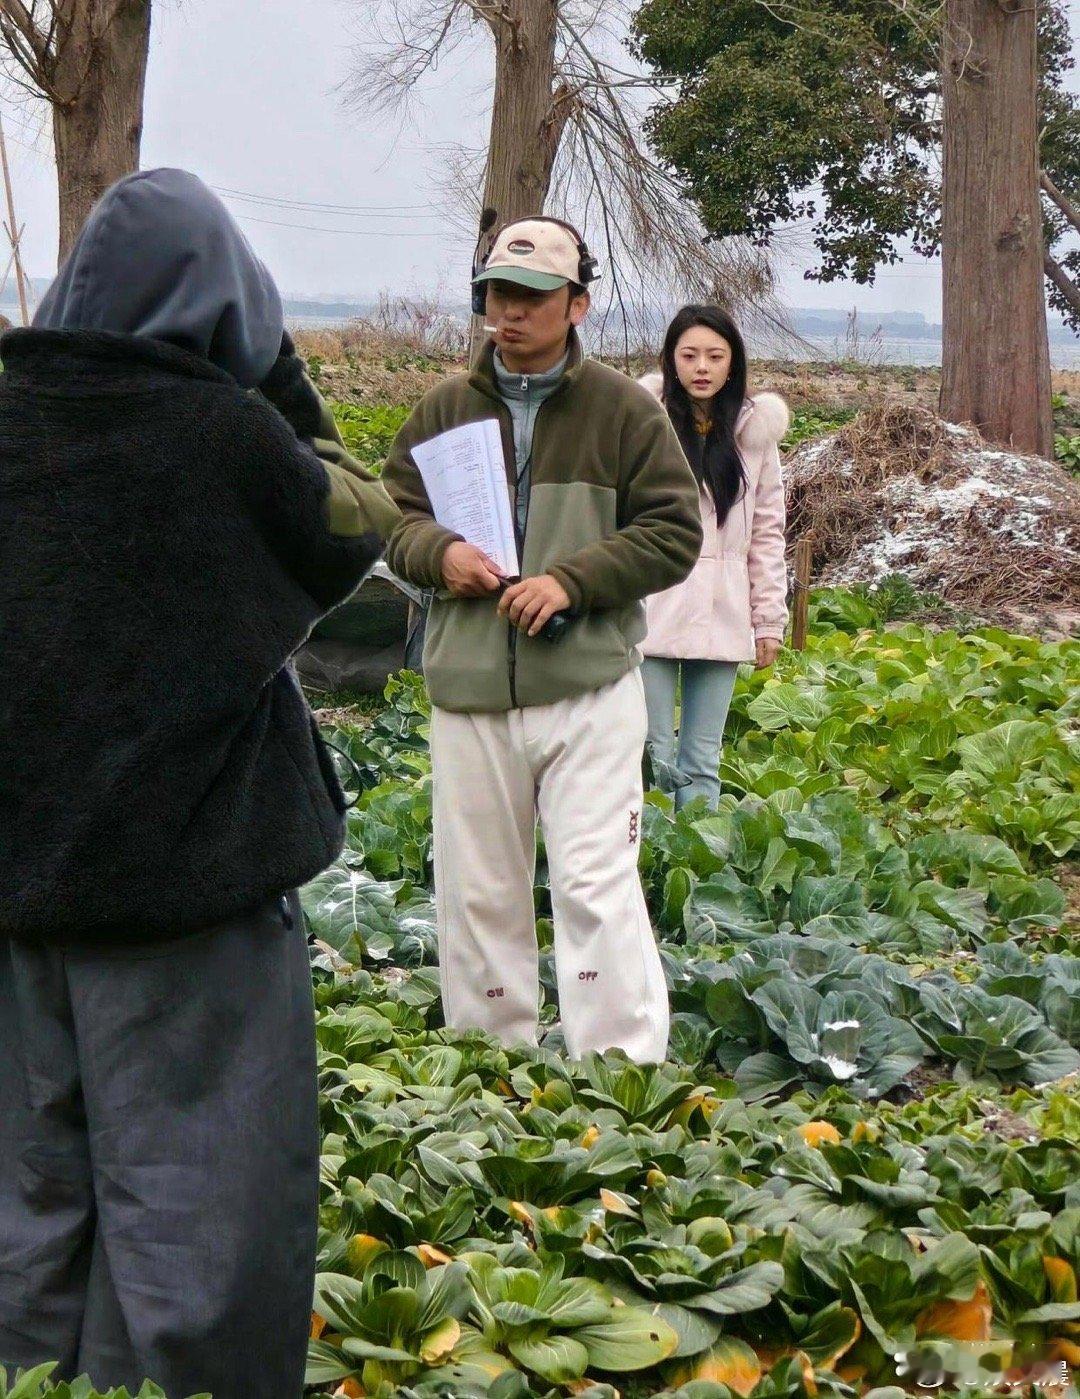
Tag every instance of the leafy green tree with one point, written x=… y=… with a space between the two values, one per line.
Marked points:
x=828 y=116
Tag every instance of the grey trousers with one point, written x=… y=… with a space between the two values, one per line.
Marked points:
x=159 y=1159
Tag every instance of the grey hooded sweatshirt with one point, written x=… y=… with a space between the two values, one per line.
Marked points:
x=161 y=256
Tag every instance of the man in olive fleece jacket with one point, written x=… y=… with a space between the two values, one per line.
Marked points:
x=523 y=727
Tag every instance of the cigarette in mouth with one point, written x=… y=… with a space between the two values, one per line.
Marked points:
x=491 y=329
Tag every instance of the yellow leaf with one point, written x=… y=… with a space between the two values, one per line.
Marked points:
x=830 y=1361
x=806 y=1365
x=656 y=1180
x=960 y=1321
x=685 y=1111
x=430 y=1256
x=318 y=1326
x=520 y=1212
x=349 y=1389
x=729 y=1362
x=866 y=1132
x=711 y=1233
x=362 y=1249
x=615 y=1204
x=1061 y=1278
x=440 y=1340
x=1061 y=1349
x=590 y=1137
x=814 y=1133
x=769 y=1355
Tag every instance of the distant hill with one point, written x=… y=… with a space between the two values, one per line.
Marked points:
x=814 y=323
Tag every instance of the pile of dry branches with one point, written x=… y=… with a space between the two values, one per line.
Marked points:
x=898 y=490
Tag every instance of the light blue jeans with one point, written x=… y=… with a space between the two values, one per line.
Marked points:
x=706 y=698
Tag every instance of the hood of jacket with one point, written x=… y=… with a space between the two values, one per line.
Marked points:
x=160 y=256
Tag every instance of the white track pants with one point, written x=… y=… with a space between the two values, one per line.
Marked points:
x=577 y=764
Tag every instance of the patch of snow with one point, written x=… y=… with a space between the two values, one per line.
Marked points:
x=841 y=1068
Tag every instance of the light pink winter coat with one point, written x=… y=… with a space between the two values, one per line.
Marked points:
x=737 y=591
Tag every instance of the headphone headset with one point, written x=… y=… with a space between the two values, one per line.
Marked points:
x=588 y=267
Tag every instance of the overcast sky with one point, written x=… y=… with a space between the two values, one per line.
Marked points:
x=247 y=94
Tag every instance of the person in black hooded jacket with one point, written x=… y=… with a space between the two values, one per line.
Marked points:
x=168 y=539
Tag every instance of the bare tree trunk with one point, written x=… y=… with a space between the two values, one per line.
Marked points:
x=527 y=115
x=100 y=76
x=996 y=358
x=520 y=151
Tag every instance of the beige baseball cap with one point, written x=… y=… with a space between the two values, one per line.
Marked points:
x=533 y=253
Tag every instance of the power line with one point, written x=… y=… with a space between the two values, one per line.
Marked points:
x=14 y=141
x=23 y=126
x=312 y=206
x=350 y=232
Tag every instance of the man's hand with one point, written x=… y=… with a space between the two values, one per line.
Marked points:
x=532 y=602
x=468 y=572
x=767 y=648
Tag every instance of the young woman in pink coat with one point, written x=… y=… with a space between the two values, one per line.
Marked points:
x=733 y=606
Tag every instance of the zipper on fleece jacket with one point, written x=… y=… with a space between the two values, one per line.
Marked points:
x=519 y=537
x=519 y=534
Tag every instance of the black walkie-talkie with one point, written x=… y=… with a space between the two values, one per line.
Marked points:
x=556 y=626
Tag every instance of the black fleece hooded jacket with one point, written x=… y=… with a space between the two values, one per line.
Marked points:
x=164 y=550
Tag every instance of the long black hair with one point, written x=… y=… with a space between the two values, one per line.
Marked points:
x=714 y=457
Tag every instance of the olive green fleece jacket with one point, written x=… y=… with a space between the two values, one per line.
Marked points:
x=613 y=515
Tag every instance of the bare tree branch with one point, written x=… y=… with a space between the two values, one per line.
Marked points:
x=925 y=16
x=1064 y=283
x=87 y=59
x=22 y=21
x=1061 y=200
x=425 y=31
x=653 y=243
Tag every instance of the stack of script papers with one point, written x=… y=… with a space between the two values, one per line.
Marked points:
x=464 y=473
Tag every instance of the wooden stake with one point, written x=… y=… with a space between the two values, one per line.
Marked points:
x=11 y=228
x=803 y=550
x=7 y=273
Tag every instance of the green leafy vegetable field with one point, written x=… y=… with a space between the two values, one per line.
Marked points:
x=858 y=1173
x=368 y=429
